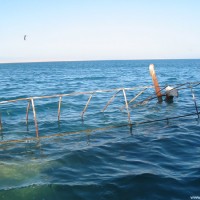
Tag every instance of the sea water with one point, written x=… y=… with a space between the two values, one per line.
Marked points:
x=159 y=160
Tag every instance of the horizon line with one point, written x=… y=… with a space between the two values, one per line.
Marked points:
x=95 y=60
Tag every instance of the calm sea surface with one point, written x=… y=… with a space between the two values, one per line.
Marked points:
x=159 y=160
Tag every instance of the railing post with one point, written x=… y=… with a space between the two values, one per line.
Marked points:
x=27 y=110
x=126 y=103
x=194 y=99
x=59 y=106
x=34 y=115
x=0 y=122
x=110 y=100
x=86 y=106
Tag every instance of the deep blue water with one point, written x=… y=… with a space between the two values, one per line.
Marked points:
x=159 y=160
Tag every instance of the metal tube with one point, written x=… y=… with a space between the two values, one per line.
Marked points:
x=86 y=105
x=110 y=101
x=0 y=122
x=129 y=118
x=35 y=119
x=27 y=109
x=194 y=99
x=59 y=106
x=134 y=98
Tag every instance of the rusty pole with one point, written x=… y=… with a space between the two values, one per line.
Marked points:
x=155 y=82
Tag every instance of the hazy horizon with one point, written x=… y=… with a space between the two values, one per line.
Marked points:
x=46 y=61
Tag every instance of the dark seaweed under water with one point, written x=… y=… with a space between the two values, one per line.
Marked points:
x=155 y=161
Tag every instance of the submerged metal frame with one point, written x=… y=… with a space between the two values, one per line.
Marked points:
x=31 y=100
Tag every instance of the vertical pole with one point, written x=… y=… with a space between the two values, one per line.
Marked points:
x=194 y=99
x=0 y=122
x=34 y=115
x=86 y=106
x=155 y=82
x=27 y=110
x=129 y=118
x=59 y=106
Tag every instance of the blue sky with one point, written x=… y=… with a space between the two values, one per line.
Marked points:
x=59 y=30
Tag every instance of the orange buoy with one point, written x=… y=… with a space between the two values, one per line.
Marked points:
x=155 y=82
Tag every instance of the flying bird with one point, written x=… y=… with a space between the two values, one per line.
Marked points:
x=24 y=37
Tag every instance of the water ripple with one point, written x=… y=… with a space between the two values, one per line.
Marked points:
x=156 y=161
